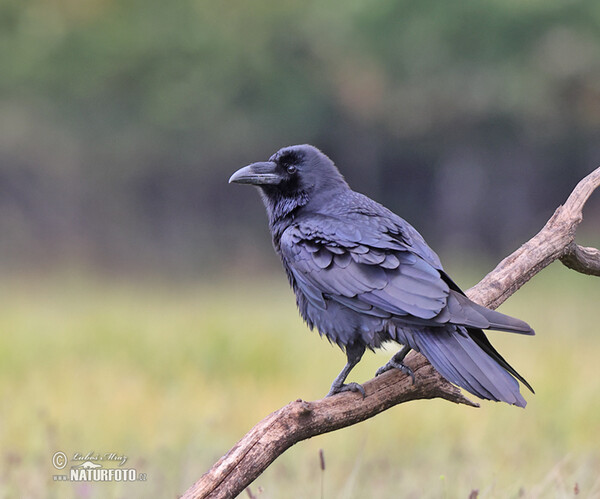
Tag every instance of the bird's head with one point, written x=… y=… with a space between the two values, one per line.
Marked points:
x=295 y=173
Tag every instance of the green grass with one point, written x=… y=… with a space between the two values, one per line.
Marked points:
x=172 y=375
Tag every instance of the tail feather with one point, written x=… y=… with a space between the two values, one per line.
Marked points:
x=480 y=338
x=479 y=376
x=469 y=361
x=460 y=310
x=503 y=322
x=470 y=309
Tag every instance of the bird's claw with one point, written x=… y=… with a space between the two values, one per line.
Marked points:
x=347 y=387
x=392 y=364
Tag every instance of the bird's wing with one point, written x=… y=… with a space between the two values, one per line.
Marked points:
x=380 y=270
x=370 y=270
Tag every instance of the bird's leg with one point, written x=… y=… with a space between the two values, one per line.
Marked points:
x=354 y=353
x=397 y=362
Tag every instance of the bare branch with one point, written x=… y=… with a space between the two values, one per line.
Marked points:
x=582 y=259
x=553 y=242
x=300 y=420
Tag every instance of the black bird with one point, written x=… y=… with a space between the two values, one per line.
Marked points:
x=363 y=276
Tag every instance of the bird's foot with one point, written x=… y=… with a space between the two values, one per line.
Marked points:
x=346 y=387
x=393 y=364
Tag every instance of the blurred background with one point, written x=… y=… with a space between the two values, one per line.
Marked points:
x=121 y=121
x=144 y=311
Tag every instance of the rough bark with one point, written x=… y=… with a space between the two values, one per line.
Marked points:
x=555 y=241
x=300 y=420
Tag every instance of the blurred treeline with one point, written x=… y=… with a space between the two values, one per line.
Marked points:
x=121 y=120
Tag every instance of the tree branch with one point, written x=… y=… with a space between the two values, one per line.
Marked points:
x=300 y=420
x=582 y=259
x=555 y=241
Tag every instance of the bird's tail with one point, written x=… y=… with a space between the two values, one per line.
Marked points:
x=466 y=358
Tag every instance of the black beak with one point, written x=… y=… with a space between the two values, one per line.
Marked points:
x=264 y=173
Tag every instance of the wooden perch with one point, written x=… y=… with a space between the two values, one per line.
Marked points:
x=300 y=420
x=556 y=241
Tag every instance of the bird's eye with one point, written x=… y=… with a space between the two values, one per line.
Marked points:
x=291 y=169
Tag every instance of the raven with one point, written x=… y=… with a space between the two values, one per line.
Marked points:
x=363 y=276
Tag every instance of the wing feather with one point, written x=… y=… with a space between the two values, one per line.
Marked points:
x=380 y=271
x=330 y=261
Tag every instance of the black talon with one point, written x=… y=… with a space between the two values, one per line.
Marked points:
x=396 y=365
x=347 y=387
x=396 y=362
x=354 y=353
